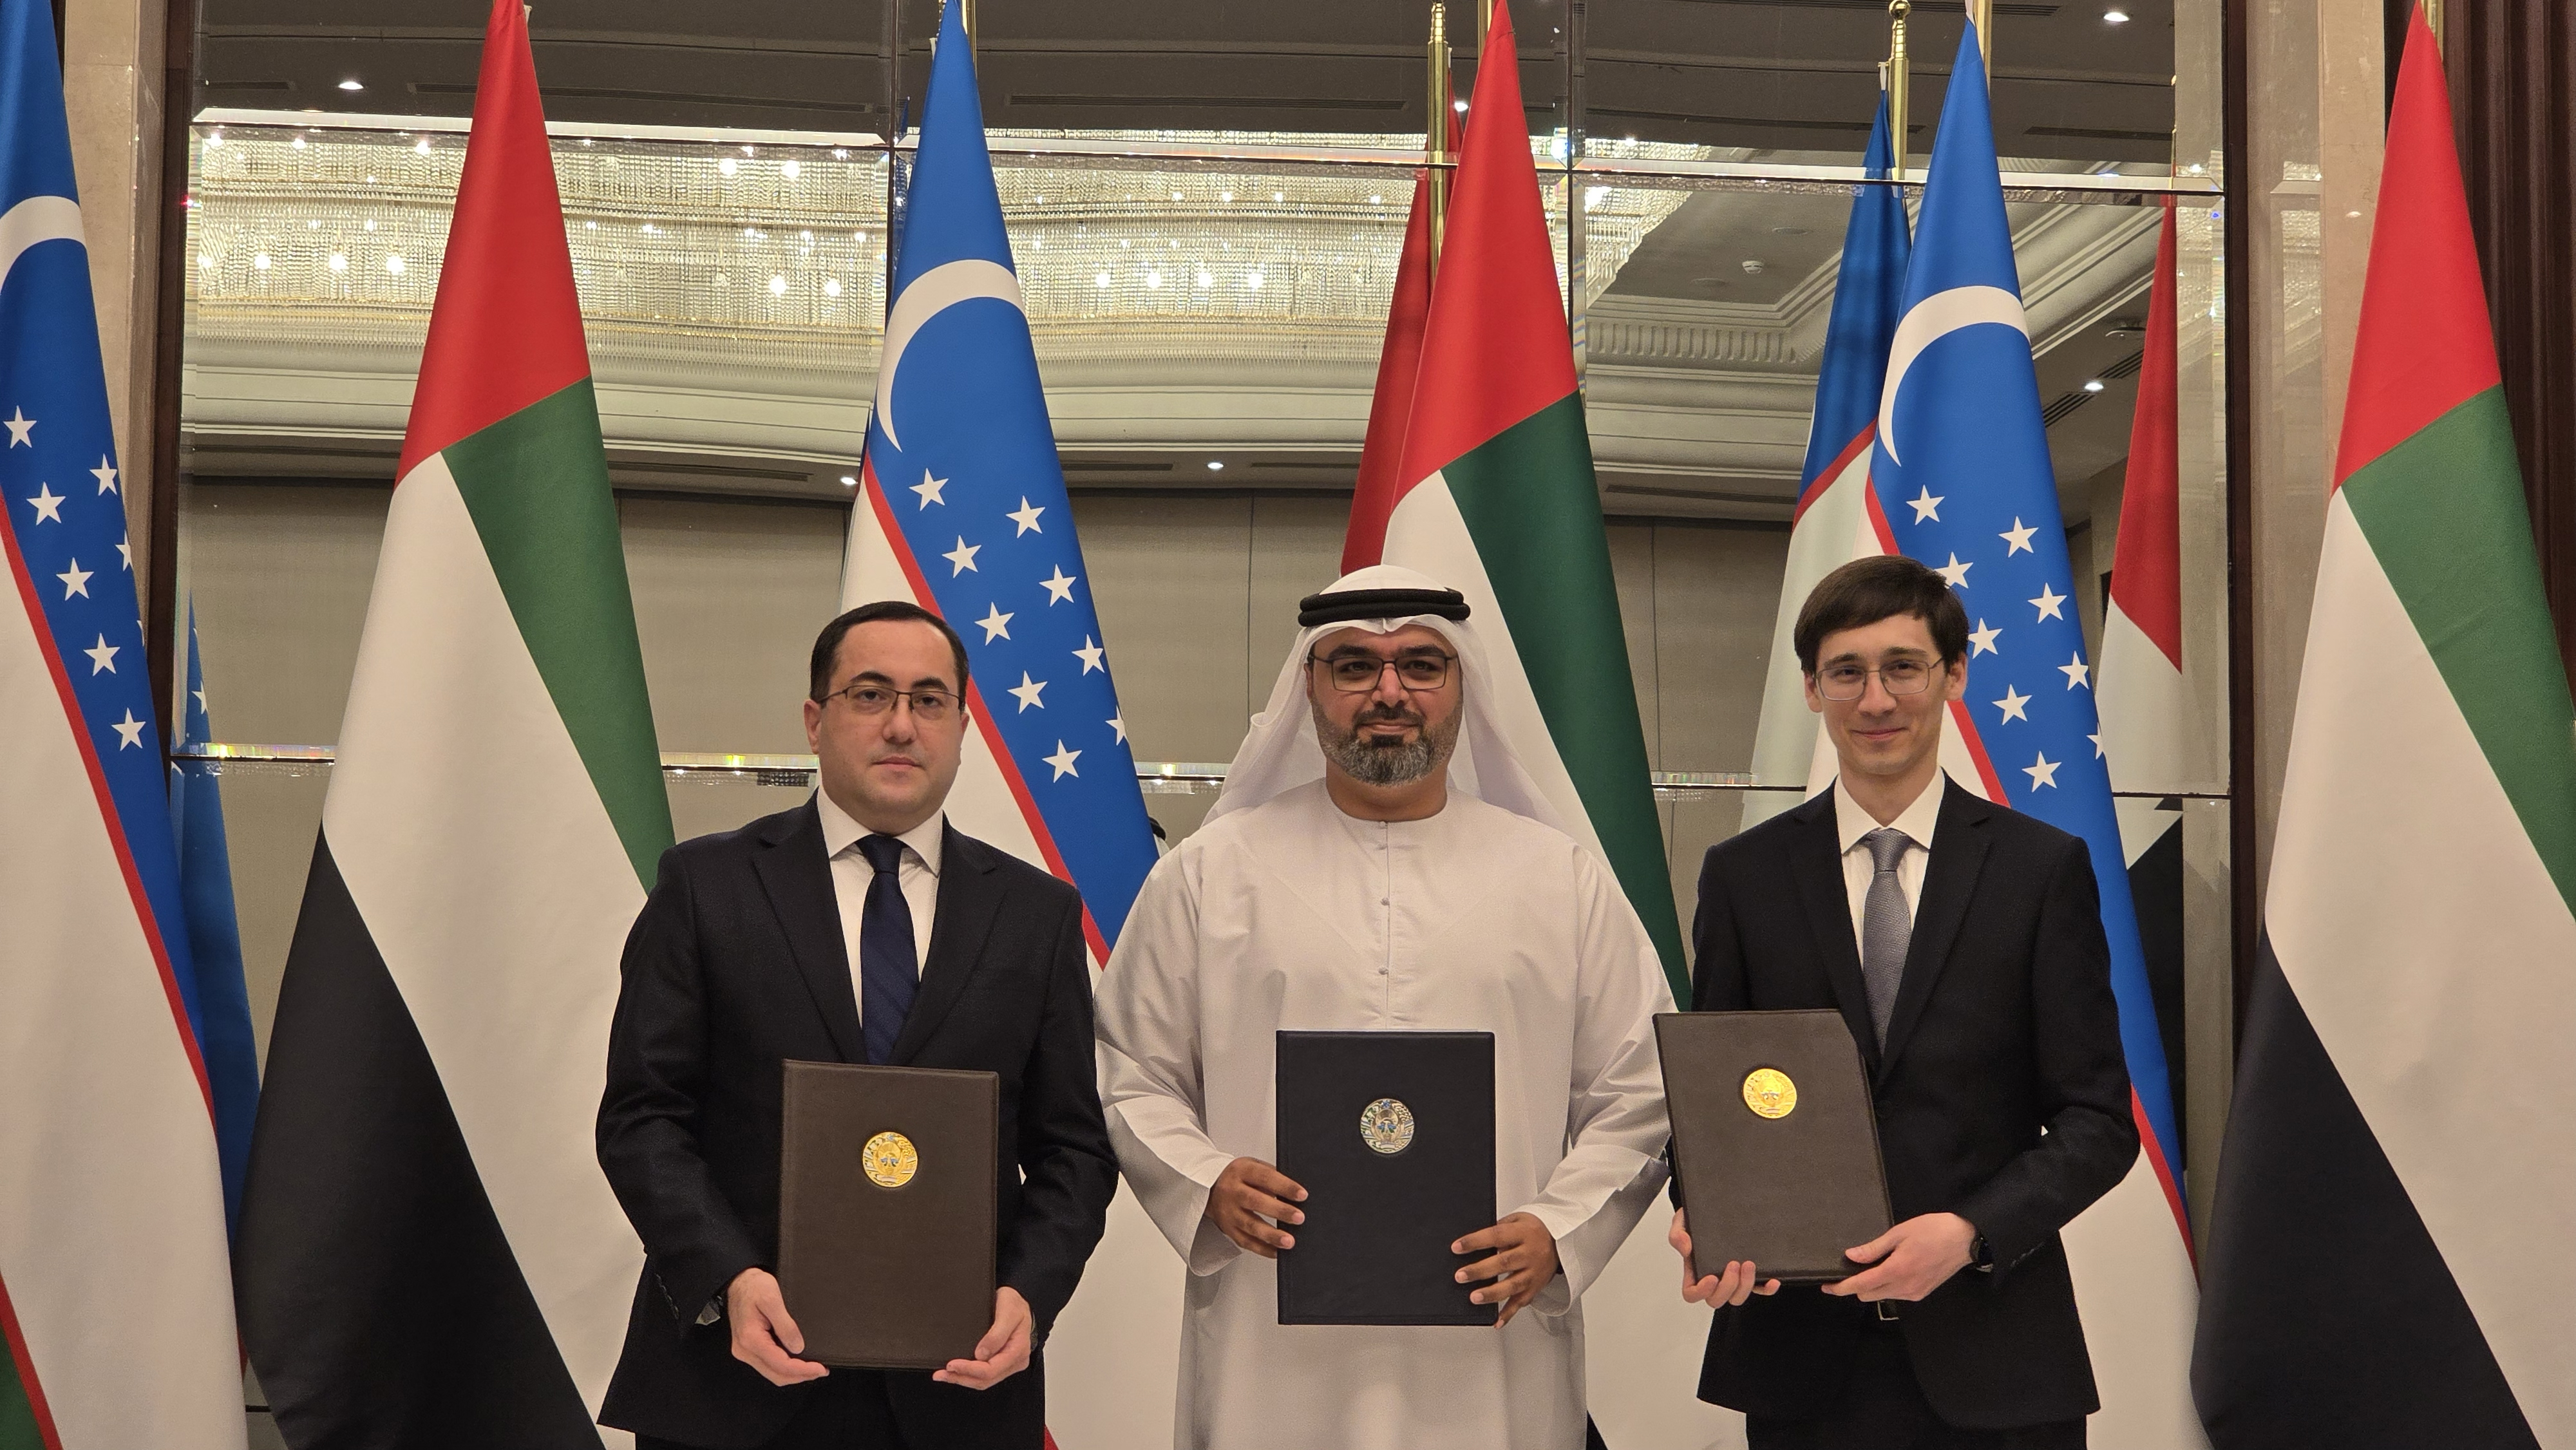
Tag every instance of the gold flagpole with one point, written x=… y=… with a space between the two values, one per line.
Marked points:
x=1435 y=138
x=2433 y=22
x=1895 y=82
x=1981 y=14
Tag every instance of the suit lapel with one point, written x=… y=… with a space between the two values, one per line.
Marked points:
x=1818 y=870
x=969 y=895
x=1949 y=882
x=798 y=877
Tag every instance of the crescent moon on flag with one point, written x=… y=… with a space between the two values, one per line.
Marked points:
x=1934 y=318
x=930 y=294
x=37 y=219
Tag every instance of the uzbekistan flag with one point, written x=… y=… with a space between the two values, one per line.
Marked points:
x=1964 y=483
x=115 y=1301
x=429 y=1255
x=963 y=510
x=2387 y=1263
x=1837 y=518
x=1497 y=500
x=214 y=935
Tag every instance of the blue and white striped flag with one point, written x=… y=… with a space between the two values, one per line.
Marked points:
x=115 y=1293
x=1963 y=477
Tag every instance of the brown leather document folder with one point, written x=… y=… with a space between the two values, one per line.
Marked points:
x=1773 y=1140
x=885 y=1212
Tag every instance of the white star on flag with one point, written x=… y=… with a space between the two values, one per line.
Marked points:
x=1926 y=506
x=1955 y=572
x=1118 y=723
x=2075 y=671
x=2047 y=603
x=1026 y=518
x=996 y=624
x=2017 y=538
x=2011 y=704
x=19 y=425
x=102 y=656
x=1026 y=692
x=75 y=580
x=125 y=551
x=1059 y=589
x=962 y=558
x=2097 y=745
x=1089 y=654
x=49 y=504
x=1063 y=760
x=1982 y=639
x=2042 y=774
x=105 y=475
x=129 y=731
x=201 y=700
x=929 y=488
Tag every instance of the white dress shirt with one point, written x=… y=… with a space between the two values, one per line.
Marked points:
x=1852 y=821
x=851 y=875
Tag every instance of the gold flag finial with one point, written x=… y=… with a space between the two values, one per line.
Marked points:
x=1435 y=135
x=1897 y=84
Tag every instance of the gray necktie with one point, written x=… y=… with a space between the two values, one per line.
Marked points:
x=1886 y=926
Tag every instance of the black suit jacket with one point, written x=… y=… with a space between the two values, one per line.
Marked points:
x=736 y=966
x=2002 y=1097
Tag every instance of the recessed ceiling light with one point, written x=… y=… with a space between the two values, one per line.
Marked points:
x=2115 y=17
x=352 y=84
x=1215 y=466
x=2094 y=386
x=1459 y=106
x=849 y=480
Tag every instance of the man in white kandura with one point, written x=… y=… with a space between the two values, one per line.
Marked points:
x=1379 y=859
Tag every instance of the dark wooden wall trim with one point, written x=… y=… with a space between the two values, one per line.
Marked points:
x=160 y=599
x=2512 y=68
x=2237 y=243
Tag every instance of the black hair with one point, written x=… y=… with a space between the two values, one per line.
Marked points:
x=827 y=645
x=1865 y=591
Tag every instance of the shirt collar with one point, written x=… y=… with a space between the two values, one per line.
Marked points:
x=1851 y=821
x=841 y=831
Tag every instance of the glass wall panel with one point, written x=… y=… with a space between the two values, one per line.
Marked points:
x=2085 y=79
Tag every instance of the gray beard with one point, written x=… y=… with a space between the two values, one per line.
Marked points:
x=1383 y=765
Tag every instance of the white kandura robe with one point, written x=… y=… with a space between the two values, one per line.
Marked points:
x=1293 y=915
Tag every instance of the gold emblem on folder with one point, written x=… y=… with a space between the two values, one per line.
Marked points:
x=1387 y=1126
x=1769 y=1093
x=890 y=1160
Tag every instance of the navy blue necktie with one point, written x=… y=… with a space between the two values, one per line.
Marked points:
x=889 y=972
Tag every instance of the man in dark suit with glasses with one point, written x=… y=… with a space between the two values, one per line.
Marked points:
x=858 y=927
x=1963 y=944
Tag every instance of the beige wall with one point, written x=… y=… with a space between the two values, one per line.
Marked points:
x=1197 y=600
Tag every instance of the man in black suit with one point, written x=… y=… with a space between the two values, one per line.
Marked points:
x=858 y=927
x=1963 y=944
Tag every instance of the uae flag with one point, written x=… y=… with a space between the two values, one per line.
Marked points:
x=429 y=1255
x=1493 y=494
x=2387 y=1263
x=1495 y=498
x=2147 y=738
